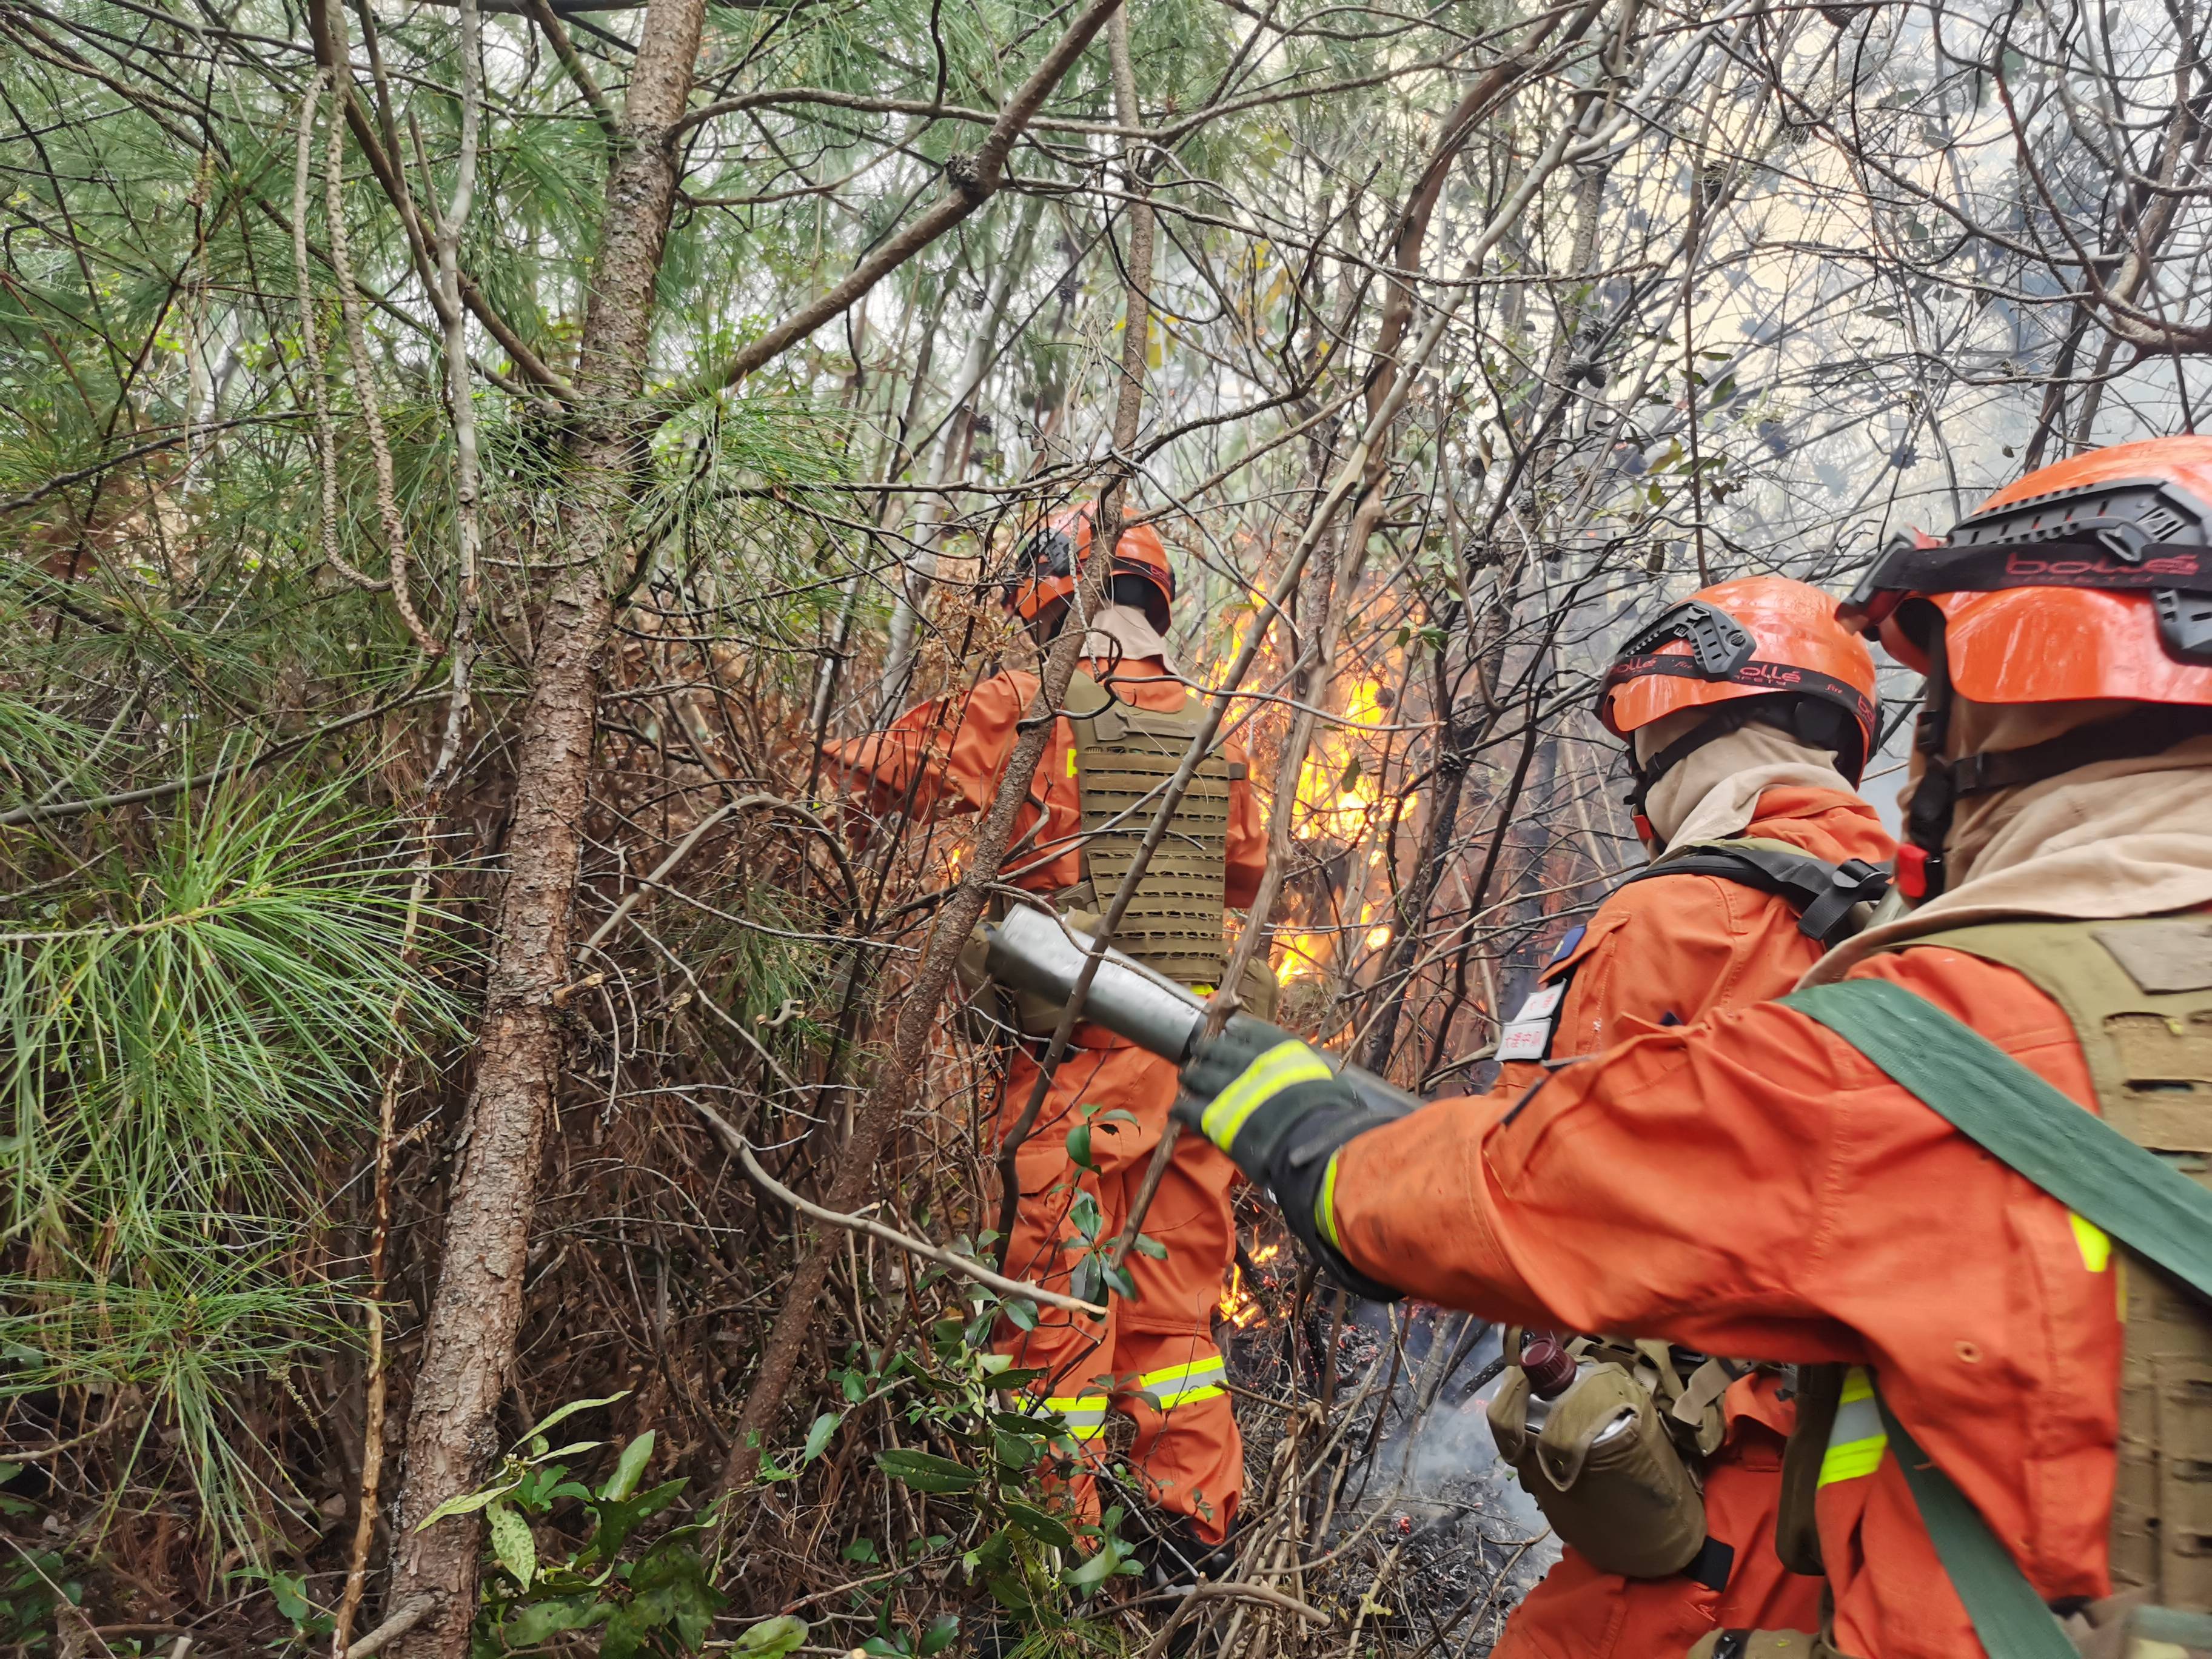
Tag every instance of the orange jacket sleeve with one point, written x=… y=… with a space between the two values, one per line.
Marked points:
x=947 y=751
x=1754 y=1186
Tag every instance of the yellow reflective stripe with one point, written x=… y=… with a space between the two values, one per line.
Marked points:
x=1858 y=1440
x=2091 y=1240
x=1192 y=1396
x=1198 y=1381
x=1216 y=1365
x=1325 y=1205
x=1071 y=760
x=1283 y=1066
x=1085 y=1413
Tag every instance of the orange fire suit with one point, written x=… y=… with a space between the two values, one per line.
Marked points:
x=1154 y=1359
x=1753 y=1185
x=1662 y=951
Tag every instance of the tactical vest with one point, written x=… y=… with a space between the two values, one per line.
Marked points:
x=1121 y=761
x=2138 y=994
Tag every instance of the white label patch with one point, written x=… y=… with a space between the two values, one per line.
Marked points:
x=1529 y=1032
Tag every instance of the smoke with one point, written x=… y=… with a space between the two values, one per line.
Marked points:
x=1444 y=1463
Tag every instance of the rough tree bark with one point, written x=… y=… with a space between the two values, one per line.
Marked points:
x=469 y=1337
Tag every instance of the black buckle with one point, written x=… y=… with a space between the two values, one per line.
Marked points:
x=2185 y=623
x=1854 y=881
x=1720 y=643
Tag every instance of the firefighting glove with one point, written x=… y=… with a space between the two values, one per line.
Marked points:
x=1280 y=1112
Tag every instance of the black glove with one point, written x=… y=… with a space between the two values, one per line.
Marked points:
x=1279 y=1110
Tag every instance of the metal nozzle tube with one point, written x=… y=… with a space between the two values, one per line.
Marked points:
x=1032 y=952
x=1029 y=951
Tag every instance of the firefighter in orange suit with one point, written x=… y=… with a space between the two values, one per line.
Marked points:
x=1762 y=855
x=1948 y=1177
x=1125 y=724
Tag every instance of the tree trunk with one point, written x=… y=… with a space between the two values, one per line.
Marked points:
x=452 y=1433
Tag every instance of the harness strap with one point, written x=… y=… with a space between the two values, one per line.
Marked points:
x=1824 y=894
x=2009 y=1616
x=2016 y=1117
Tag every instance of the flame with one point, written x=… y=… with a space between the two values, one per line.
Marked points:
x=1238 y=1305
x=1303 y=955
x=1337 y=794
x=1378 y=936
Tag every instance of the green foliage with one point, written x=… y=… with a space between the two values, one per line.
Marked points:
x=33 y=1586
x=999 y=1492
x=185 y=1029
x=658 y=1599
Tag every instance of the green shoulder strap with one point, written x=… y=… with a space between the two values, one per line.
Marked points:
x=2013 y=1114
x=2087 y=1165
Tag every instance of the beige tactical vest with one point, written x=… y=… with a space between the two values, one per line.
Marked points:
x=2138 y=994
x=1121 y=761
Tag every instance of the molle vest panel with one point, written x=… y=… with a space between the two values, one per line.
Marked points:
x=2139 y=996
x=1123 y=757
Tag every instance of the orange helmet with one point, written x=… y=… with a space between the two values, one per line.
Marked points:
x=1044 y=569
x=2089 y=579
x=1760 y=637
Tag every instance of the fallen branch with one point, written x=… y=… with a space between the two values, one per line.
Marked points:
x=1231 y=1591
x=742 y=1148
x=391 y=1629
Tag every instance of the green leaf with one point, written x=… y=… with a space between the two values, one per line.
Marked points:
x=617 y=1521
x=539 y=1620
x=468 y=1504
x=1021 y=1312
x=771 y=1638
x=1146 y=1244
x=926 y=1472
x=940 y=1633
x=1079 y=1148
x=817 y=1437
x=288 y=1594
x=1045 y=1528
x=512 y=1543
x=570 y=1410
x=1084 y=1215
x=1094 y=1569
x=629 y=1467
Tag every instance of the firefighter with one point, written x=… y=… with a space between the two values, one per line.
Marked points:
x=1128 y=721
x=1763 y=856
x=1889 y=1176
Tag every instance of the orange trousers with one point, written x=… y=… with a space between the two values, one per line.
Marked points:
x=1579 y=1613
x=1152 y=1359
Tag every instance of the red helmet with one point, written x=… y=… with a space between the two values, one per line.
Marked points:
x=2088 y=578
x=1044 y=568
x=1757 y=637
